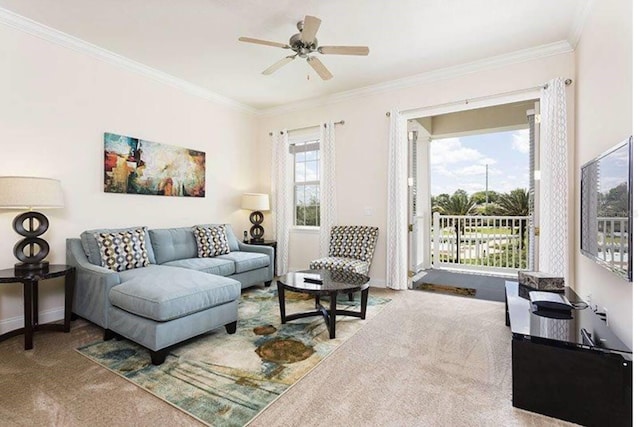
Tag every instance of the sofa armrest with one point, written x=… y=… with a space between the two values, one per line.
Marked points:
x=263 y=249
x=93 y=283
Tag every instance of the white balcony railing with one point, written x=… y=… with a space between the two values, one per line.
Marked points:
x=613 y=241
x=494 y=243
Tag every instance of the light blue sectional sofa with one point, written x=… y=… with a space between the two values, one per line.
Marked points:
x=175 y=296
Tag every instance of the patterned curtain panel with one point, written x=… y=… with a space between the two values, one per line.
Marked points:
x=281 y=196
x=554 y=180
x=397 y=205
x=328 y=205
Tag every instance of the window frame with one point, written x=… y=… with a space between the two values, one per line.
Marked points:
x=302 y=143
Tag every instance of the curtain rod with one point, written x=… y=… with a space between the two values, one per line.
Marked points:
x=341 y=122
x=567 y=82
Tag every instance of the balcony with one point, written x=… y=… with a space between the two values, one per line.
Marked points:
x=497 y=244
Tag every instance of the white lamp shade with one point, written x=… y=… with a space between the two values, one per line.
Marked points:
x=27 y=192
x=255 y=202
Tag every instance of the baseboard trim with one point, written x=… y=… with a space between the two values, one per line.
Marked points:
x=378 y=283
x=13 y=323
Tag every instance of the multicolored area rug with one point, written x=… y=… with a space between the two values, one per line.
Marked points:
x=226 y=380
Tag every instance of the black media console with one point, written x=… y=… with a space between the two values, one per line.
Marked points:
x=574 y=369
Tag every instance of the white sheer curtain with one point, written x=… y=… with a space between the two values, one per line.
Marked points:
x=281 y=196
x=397 y=222
x=328 y=208
x=554 y=180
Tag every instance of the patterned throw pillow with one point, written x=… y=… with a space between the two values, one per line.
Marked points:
x=212 y=241
x=123 y=250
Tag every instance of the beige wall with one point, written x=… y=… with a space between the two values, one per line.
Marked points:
x=480 y=120
x=361 y=144
x=55 y=105
x=604 y=118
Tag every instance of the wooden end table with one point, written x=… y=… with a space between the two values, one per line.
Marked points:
x=324 y=283
x=30 y=280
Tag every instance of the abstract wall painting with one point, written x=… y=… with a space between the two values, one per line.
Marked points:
x=136 y=166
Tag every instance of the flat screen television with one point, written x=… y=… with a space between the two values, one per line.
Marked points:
x=606 y=209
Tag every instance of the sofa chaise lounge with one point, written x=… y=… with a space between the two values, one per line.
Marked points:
x=160 y=287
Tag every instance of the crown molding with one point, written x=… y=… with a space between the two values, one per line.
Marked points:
x=52 y=35
x=579 y=22
x=518 y=56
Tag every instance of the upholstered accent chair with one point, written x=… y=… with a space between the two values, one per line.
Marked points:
x=350 y=249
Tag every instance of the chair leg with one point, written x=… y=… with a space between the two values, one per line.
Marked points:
x=350 y=296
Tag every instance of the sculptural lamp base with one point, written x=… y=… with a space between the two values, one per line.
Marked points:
x=256 y=231
x=32 y=250
x=23 y=267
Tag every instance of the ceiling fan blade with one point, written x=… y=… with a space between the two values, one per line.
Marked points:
x=310 y=28
x=322 y=71
x=344 y=50
x=263 y=42
x=284 y=61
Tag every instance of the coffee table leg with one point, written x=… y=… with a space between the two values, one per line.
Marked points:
x=332 y=315
x=364 y=296
x=281 y=301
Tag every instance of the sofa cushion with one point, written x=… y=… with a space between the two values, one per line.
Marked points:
x=231 y=238
x=221 y=267
x=211 y=241
x=247 y=261
x=123 y=250
x=338 y=263
x=170 y=244
x=164 y=293
x=92 y=251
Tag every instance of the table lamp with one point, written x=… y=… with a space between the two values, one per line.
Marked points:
x=28 y=193
x=256 y=202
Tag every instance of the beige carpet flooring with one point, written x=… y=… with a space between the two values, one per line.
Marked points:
x=427 y=359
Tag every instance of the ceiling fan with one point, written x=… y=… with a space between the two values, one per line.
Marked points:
x=305 y=43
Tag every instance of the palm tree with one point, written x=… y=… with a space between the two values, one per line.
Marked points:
x=458 y=204
x=515 y=203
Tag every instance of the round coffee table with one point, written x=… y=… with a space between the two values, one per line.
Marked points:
x=324 y=283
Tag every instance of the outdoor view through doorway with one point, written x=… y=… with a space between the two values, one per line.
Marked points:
x=480 y=200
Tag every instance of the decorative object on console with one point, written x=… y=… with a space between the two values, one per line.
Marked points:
x=136 y=166
x=541 y=281
x=256 y=202
x=28 y=193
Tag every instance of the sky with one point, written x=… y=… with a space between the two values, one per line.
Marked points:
x=461 y=162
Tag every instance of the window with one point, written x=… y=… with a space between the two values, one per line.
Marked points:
x=306 y=186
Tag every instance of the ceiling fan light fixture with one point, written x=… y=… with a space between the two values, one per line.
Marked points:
x=305 y=43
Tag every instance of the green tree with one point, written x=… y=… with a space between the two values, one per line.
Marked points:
x=614 y=202
x=515 y=203
x=492 y=209
x=458 y=204
x=480 y=197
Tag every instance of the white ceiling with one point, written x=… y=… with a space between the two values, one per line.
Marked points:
x=197 y=40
